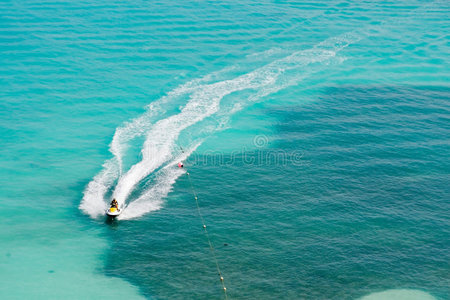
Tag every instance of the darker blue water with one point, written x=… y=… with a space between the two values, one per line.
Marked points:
x=363 y=208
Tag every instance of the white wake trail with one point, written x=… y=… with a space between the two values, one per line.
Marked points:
x=94 y=202
x=159 y=148
x=152 y=198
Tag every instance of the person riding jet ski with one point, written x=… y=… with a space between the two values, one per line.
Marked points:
x=115 y=204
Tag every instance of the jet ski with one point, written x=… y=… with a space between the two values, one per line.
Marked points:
x=113 y=212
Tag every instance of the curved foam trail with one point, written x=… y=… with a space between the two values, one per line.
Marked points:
x=93 y=202
x=139 y=126
x=152 y=198
x=204 y=101
x=205 y=95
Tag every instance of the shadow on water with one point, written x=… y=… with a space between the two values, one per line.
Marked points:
x=112 y=222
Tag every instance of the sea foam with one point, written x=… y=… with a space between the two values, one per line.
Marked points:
x=160 y=149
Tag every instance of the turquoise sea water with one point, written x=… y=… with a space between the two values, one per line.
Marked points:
x=316 y=135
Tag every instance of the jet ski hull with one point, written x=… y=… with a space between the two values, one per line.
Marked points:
x=113 y=212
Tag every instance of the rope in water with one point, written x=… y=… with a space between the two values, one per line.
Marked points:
x=211 y=246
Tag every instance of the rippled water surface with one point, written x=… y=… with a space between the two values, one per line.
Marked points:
x=316 y=135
